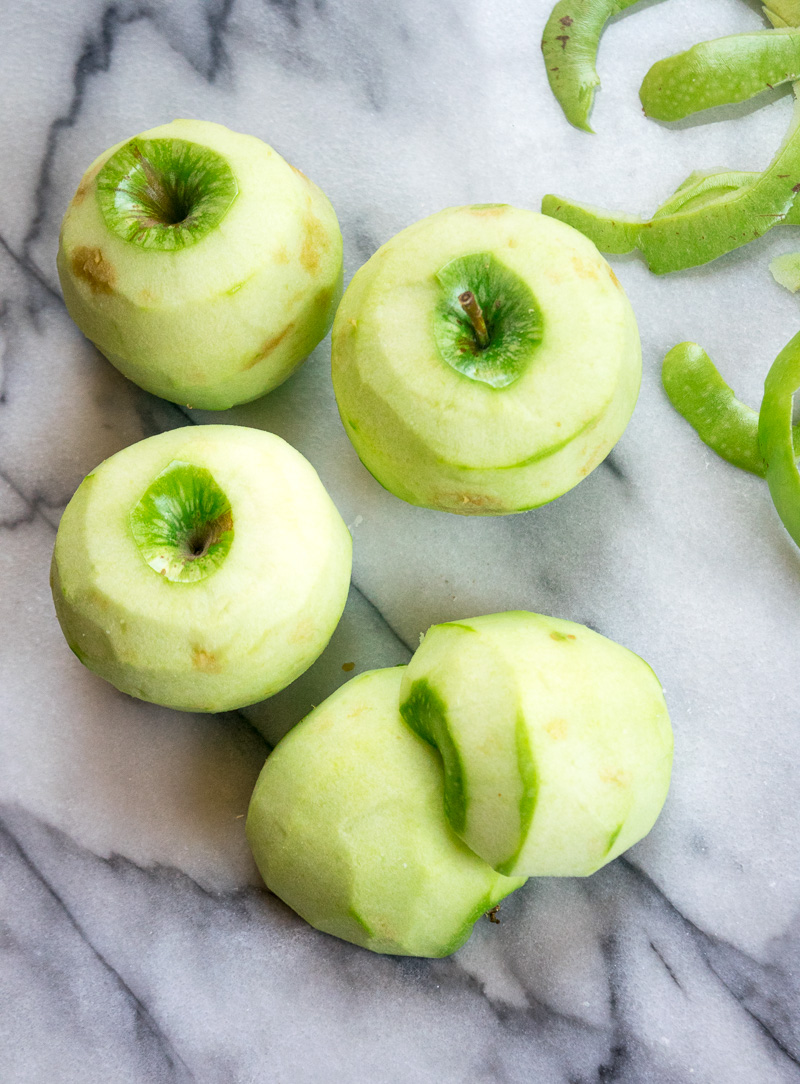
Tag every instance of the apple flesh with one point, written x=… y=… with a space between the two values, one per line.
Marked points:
x=204 y=568
x=202 y=264
x=447 y=418
x=556 y=742
x=346 y=826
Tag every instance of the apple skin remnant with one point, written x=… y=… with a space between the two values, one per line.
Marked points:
x=556 y=742
x=427 y=419
x=346 y=826
x=267 y=554
x=220 y=307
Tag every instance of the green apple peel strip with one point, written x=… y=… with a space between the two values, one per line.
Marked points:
x=764 y=443
x=786 y=271
x=782 y=13
x=777 y=437
x=699 y=394
x=699 y=230
x=617 y=233
x=569 y=44
x=720 y=72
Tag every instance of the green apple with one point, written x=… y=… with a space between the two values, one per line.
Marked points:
x=346 y=826
x=204 y=568
x=202 y=264
x=556 y=742
x=485 y=360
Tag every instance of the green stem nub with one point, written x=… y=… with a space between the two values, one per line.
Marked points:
x=486 y=323
x=469 y=303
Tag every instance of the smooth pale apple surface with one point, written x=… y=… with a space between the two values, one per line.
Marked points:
x=347 y=827
x=203 y=569
x=445 y=423
x=556 y=742
x=212 y=290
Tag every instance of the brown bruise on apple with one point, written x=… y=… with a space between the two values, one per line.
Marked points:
x=302 y=632
x=469 y=500
x=98 y=599
x=90 y=266
x=81 y=192
x=205 y=661
x=557 y=729
x=269 y=346
x=323 y=298
x=488 y=210
x=584 y=270
x=87 y=181
x=594 y=460
x=314 y=244
x=616 y=778
x=299 y=172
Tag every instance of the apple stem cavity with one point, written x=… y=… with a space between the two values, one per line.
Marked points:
x=183 y=523
x=469 y=303
x=167 y=208
x=165 y=193
x=206 y=536
x=487 y=322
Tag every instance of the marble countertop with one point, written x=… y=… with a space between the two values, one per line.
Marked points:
x=138 y=944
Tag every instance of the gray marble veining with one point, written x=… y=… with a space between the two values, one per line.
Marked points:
x=136 y=943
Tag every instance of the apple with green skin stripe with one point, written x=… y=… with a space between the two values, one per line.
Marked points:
x=204 y=568
x=202 y=264
x=556 y=742
x=485 y=360
x=346 y=826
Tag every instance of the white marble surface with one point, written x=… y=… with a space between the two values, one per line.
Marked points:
x=137 y=943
